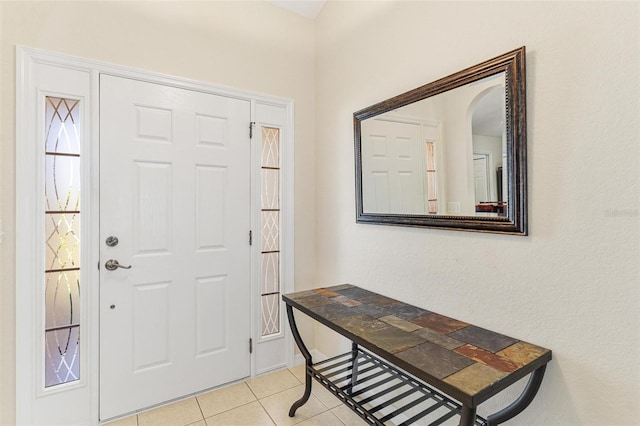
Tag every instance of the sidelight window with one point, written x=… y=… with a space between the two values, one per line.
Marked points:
x=432 y=197
x=62 y=241
x=270 y=217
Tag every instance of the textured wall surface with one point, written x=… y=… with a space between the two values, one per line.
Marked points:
x=573 y=284
x=247 y=45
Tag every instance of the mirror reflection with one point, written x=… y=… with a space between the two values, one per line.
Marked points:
x=451 y=154
x=443 y=155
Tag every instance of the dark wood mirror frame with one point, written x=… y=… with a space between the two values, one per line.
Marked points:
x=515 y=221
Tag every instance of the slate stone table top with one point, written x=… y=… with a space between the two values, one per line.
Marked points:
x=469 y=363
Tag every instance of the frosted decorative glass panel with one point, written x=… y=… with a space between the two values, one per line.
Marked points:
x=432 y=198
x=62 y=240
x=62 y=298
x=62 y=182
x=62 y=363
x=270 y=161
x=270 y=189
x=270 y=147
x=61 y=126
x=270 y=314
x=270 y=273
x=270 y=231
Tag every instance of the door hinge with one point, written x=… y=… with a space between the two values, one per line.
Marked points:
x=251 y=124
x=250 y=238
x=250 y=346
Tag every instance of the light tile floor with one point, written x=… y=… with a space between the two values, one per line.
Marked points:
x=261 y=401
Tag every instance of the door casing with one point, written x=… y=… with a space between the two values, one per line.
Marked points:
x=36 y=76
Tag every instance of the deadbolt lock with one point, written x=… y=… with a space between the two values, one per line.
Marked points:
x=112 y=241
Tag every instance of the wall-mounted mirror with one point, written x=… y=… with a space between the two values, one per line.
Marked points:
x=450 y=154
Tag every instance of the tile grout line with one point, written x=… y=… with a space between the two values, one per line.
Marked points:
x=261 y=405
x=284 y=390
x=259 y=400
x=267 y=412
x=311 y=395
x=251 y=390
x=229 y=409
x=329 y=409
x=200 y=408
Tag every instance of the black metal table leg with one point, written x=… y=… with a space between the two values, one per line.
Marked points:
x=308 y=363
x=468 y=416
x=354 y=367
x=522 y=402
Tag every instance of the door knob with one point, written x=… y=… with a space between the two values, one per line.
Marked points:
x=113 y=264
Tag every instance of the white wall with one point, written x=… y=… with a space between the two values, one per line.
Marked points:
x=248 y=45
x=573 y=284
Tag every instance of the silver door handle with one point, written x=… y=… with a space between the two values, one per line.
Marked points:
x=113 y=264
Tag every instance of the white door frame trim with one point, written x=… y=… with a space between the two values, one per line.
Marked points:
x=29 y=247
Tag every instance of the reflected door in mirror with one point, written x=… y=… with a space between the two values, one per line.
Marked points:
x=394 y=169
x=465 y=122
x=449 y=154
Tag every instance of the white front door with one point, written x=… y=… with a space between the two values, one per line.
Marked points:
x=175 y=192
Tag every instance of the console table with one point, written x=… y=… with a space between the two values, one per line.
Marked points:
x=408 y=364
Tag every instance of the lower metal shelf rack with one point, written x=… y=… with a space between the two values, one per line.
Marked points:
x=382 y=394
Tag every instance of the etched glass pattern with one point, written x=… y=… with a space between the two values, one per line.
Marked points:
x=270 y=196
x=62 y=241
x=62 y=298
x=271 y=147
x=62 y=186
x=270 y=273
x=270 y=189
x=270 y=231
x=62 y=356
x=61 y=121
x=270 y=314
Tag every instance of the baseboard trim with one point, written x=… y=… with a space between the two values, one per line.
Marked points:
x=316 y=355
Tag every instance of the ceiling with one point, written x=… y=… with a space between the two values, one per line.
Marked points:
x=306 y=8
